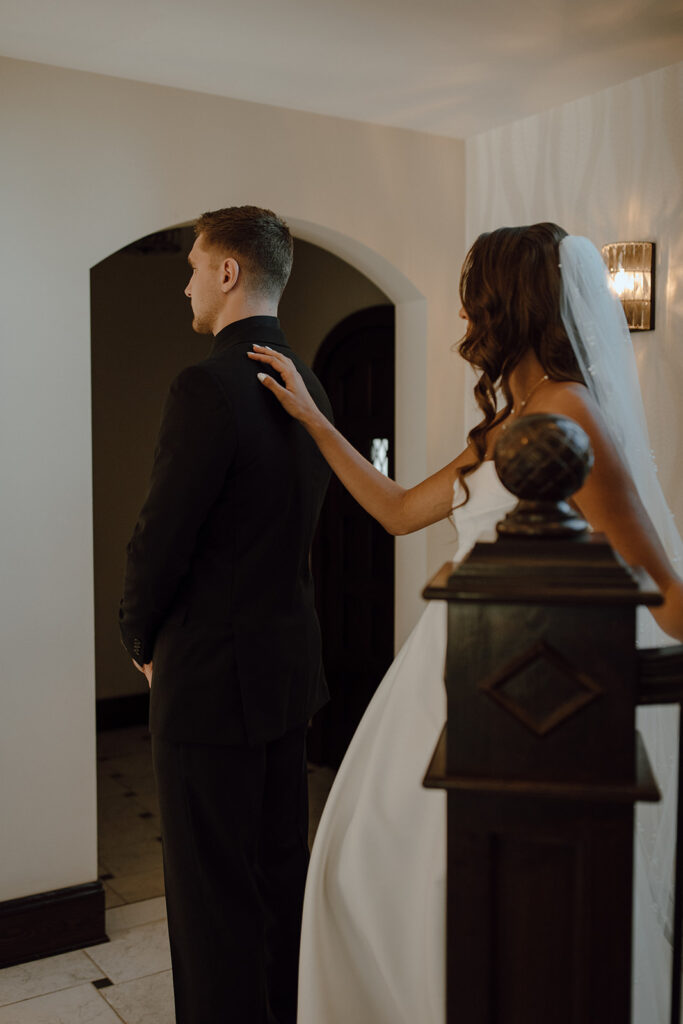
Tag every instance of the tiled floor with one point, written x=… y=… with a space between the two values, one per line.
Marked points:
x=129 y=832
x=128 y=978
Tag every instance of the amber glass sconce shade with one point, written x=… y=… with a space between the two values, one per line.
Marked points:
x=631 y=268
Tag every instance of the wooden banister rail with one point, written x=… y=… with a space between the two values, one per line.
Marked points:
x=660 y=675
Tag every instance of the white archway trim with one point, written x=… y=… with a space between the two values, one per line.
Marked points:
x=383 y=273
x=411 y=400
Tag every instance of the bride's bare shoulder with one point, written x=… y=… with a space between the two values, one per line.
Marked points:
x=566 y=398
x=569 y=398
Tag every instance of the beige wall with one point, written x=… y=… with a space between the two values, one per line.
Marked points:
x=610 y=167
x=90 y=163
x=141 y=338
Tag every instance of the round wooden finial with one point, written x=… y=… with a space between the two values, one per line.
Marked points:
x=543 y=459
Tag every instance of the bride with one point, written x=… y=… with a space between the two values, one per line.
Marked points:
x=546 y=335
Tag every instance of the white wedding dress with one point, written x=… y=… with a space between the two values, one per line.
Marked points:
x=373 y=937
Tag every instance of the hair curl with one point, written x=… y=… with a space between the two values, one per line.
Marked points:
x=510 y=289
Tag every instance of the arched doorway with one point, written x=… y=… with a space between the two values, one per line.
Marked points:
x=353 y=556
x=141 y=338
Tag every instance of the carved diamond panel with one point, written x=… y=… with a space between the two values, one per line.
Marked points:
x=540 y=688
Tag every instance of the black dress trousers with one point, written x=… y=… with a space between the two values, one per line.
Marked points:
x=235 y=835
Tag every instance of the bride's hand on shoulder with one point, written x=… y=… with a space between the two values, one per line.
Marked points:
x=292 y=393
x=399 y=510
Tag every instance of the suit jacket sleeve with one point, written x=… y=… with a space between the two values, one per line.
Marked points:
x=196 y=445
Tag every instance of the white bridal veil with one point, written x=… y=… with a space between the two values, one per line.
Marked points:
x=595 y=322
x=596 y=325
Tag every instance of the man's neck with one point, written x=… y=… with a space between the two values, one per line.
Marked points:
x=243 y=309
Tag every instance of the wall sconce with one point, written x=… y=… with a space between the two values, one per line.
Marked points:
x=631 y=267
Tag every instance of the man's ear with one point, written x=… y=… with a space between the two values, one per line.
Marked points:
x=230 y=269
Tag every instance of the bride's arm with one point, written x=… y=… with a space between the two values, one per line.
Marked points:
x=610 y=502
x=400 y=510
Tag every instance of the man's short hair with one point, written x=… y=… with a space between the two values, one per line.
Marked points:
x=259 y=240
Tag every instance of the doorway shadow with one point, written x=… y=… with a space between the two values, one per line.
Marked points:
x=353 y=556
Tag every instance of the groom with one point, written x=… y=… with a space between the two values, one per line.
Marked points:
x=218 y=612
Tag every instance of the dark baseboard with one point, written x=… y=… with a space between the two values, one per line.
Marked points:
x=120 y=712
x=51 y=923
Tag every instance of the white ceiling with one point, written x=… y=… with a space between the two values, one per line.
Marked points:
x=452 y=67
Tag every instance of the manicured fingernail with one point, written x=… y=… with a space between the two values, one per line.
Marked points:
x=269 y=348
x=261 y=376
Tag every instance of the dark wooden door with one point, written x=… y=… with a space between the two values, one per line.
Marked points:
x=353 y=556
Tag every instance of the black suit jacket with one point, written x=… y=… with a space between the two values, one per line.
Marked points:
x=218 y=588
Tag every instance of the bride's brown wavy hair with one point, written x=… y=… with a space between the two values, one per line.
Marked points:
x=510 y=290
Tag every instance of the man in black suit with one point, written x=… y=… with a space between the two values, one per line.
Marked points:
x=218 y=612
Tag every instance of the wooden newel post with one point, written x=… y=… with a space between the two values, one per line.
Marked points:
x=539 y=756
